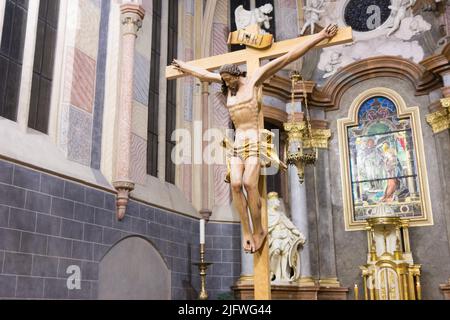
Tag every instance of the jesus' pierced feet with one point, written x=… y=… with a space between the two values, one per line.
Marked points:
x=248 y=243
x=252 y=243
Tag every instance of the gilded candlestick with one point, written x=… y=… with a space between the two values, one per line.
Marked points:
x=203 y=267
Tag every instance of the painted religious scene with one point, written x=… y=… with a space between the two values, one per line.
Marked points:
x=383 y=163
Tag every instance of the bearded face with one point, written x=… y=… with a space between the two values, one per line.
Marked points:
x=232 y=82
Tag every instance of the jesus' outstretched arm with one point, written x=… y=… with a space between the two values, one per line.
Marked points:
x=202 y=74
x=268 y=70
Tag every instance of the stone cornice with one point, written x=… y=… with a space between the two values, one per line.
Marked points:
x=424 y=76
x=437 y=63
x=133 y=9
x=274 y=115
x=330 y=94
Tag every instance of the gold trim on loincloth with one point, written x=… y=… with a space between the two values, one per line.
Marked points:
x=263 y=149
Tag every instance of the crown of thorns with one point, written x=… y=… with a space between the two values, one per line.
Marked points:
x=231 y=69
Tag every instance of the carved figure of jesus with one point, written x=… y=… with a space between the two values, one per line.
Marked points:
x=243 y=102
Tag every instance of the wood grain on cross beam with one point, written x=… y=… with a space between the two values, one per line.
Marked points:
x=344 y=35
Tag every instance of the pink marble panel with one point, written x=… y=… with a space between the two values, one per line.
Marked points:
x=83 y=82
x=138 y=159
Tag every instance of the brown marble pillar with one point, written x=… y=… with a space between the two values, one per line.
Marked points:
x=439 y=120
x=132 y=16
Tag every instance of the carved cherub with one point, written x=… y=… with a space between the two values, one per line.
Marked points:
x=313 y=9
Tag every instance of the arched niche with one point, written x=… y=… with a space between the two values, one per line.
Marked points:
x=133 y=270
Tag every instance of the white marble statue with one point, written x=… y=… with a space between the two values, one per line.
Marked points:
x=313 y=9
x=260 y=16
x=285 y=241
x=399 y=10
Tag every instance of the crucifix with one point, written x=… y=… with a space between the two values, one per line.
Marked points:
x=252 y=143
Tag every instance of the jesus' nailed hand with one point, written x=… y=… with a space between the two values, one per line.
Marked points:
x=243 y=102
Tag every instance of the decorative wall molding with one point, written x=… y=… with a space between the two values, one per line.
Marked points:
x=274 y=115
x=425 y=76
x=330 y=95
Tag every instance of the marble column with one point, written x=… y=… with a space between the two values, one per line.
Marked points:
x=439 y=120
x=327 y=256
x=297 y=192
x=442 y=141
x=299 y=214
x=132 y=16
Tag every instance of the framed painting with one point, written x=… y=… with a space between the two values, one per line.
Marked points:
x=382 y=161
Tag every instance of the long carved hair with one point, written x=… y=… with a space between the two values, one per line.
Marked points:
x=234 y=71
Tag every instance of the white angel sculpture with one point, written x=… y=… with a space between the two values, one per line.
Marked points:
x=399 y=9
x=313 y=9
x=245 y=18
x=284 y=242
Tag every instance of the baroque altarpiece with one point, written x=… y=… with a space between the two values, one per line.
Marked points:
x=385 y=188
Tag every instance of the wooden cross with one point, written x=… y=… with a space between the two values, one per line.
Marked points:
x=252 y=58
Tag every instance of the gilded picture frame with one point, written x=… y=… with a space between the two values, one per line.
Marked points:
x=421 y=201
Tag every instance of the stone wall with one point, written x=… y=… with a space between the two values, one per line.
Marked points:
x=48 y=223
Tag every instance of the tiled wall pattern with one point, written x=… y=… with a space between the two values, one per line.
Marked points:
x=138 y=161
x=48 y=223
x=79 y=84
x=141 y=77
